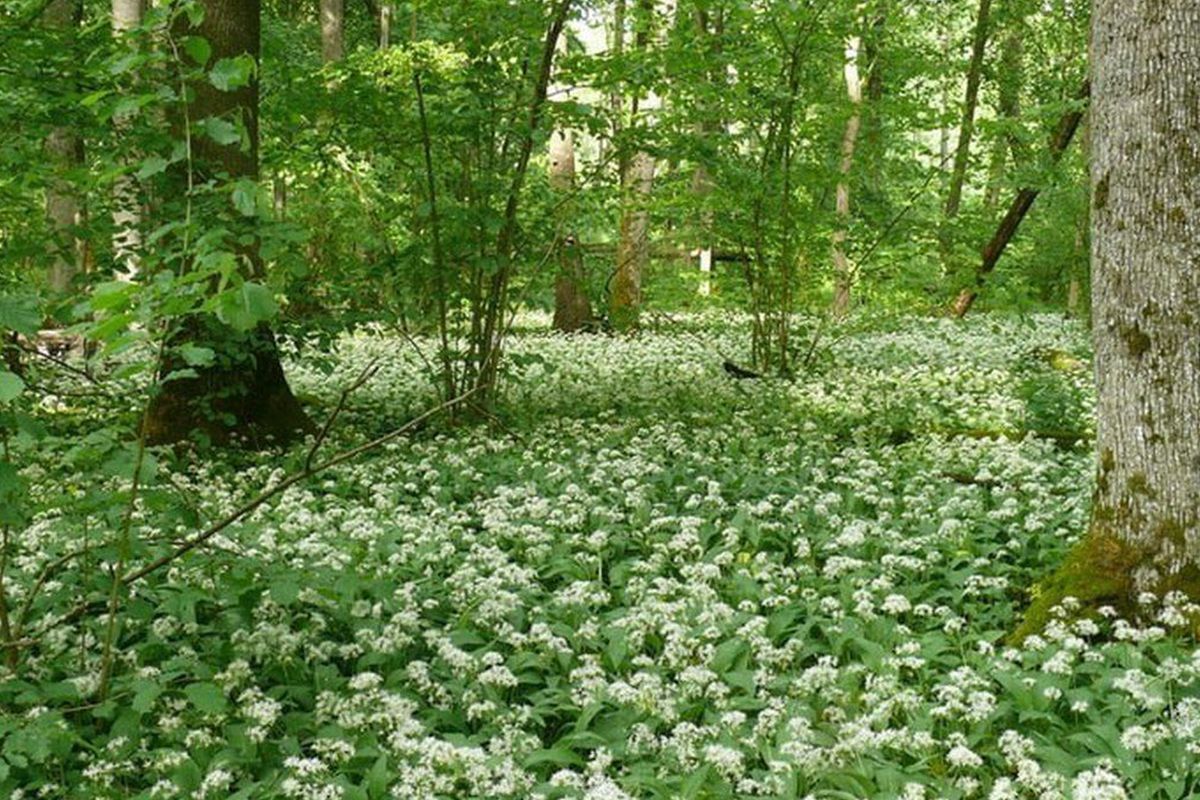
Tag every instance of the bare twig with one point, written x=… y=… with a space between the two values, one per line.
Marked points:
x=367 y=373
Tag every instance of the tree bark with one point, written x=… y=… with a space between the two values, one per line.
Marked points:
x=333 y=30
x=1009 y=81
x=633 y=250
x=64 y=152
x=966 y=131
x=843 y=275
x=1067 y=126
x=244 y=394
x=127 y=209
x=572 y=309
x=1145 y=177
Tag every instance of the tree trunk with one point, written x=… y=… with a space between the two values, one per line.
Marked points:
x=843 y=274
x=64 y=152
x=873 y=134
x=1009 y=81
x=385 y=25
x=1145 y=170
x=244 y=394
x=127 y=207
x=633 y=250
x=966 y=131
x=572 y=309
x=633 y=247
x=333 y=30
x=1067 y=126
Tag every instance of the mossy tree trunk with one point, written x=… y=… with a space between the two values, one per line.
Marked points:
x=1145 y=165
x=244 y=393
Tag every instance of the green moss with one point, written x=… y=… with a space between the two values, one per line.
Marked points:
x=1138 y=484
x=1096 y=573
x=1135 y=339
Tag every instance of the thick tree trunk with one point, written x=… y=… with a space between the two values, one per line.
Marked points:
x=333 y=30
x=1145 y=170
x=64 y=152
x=966 y=130
x=843 y=275
x=1067 y=126
x=127 y=211
x=244 y=394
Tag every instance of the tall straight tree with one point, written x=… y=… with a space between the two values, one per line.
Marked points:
x=1145 y=177
x=966 y=129
x=126 y=215
x=633 y=245
x=333 y=30
x=64 y=153
x=843 y=276
x=572 y=309
x=244 y=391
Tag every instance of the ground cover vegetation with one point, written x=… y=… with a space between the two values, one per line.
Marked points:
x=599 y=399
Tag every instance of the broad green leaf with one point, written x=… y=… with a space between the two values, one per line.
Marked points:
x=11 y=386
x=206 y=697
x=245 y=197
x=232 y=73
x=199 y=49
x=20 y=313
x=196 y=356
x=221 y=131
x=152 y=166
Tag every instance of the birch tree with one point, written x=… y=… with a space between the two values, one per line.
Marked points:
x=126 y=215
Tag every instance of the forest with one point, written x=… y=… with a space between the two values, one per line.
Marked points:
x=600 y=399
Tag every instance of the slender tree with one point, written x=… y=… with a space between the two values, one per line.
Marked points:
x=127 y=213
x=572 y=309
x=64 y=153
x=843 y=274
x=1145 y=170
x=633 y=247
x=244 y=391
x=333 y=30
x=966 y=129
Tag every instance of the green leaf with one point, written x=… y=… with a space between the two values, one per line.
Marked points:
x=232 y=73
x=199 y=49
x=206 y=697
x=196 y=356
x=20 y=314
x=245 y=197
x=11 y=386
x=285 y=591
x=221 y=131
x=152 y=166
x=245 y=307
x=12 y=495
x=143 y=699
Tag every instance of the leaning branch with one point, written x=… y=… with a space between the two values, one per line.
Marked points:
x=1067 y=126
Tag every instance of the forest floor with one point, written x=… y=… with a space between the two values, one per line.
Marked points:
x=653 y=582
